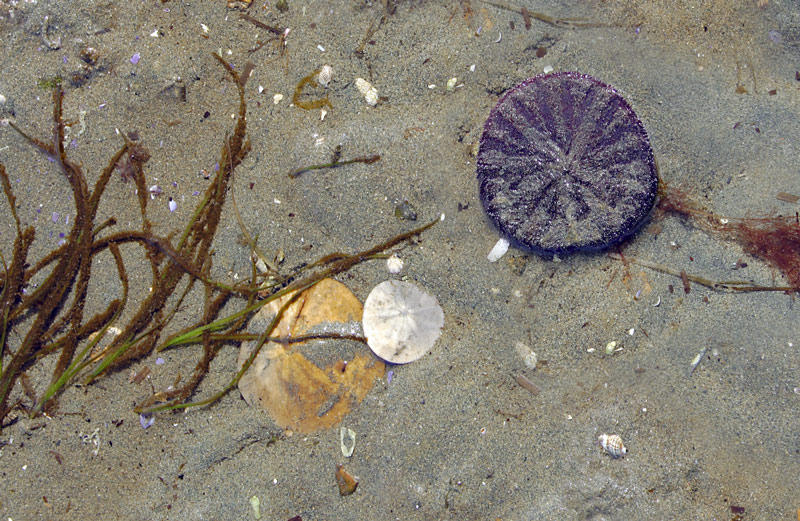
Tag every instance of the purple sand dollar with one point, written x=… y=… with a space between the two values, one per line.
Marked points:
x=565 y=165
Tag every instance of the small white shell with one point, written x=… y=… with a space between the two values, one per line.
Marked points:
x=394 y=264
x=498 y=250
x=613 y=445
x=527 y=354
x=325 y=75
x=370 y=93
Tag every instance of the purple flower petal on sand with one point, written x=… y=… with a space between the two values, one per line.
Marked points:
x=146 y=420
x=389 y=376
x=135 y=58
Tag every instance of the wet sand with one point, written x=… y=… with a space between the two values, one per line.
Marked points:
x=453 y=435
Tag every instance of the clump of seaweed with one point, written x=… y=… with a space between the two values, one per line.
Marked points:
x=773 y=239
x=55 y=308
x=53 y=313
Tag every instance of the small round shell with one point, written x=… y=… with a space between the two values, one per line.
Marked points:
x=325 y=75
x=613 y=445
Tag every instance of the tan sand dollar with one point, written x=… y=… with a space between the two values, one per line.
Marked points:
x=313 y=385
x=401 y=322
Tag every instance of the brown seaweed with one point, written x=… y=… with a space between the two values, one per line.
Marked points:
x=52 y=314
x=773 y=239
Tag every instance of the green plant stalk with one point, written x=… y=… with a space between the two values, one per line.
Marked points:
x=74 y=368
x=262 y=339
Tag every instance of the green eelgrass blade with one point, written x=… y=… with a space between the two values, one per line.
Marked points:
x=262 y=339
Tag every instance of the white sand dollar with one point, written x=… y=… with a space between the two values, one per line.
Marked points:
x=401 y=322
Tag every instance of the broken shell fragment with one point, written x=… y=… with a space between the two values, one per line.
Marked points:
x=498 y=250
x=347 y=441
x=368 y=91
x=347 y=483
x=527 y=354
x=401 y=322
x=325 y=75
x=613 y=445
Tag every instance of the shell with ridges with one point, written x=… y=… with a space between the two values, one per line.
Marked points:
x=613 y=445
x=325 y=75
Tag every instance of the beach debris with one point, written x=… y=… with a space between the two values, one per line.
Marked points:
x=696 y=360
x=369 y=92
x=451 y=84
x=310 y=80
x=527 y=354
x=401 y=321
x=787 y=198
x=309 y=393
x=239 y=4
x=394 y=264
x=146 y=420
x=612 y=444
x=325 y=75
x=611 y=347
x=527 y=384
x=498 y=250
x=335 y=162
x=255 y=504
x=347 y=483
x=404 y=210
x=347 y=441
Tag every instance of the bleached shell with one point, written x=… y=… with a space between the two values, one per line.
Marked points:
x=370 y=93
x=363 y=85
x=613 y=445
x=325 y=75
x=394 y=264
x=498 y=250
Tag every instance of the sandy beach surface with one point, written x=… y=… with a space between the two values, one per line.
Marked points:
x=452 y=435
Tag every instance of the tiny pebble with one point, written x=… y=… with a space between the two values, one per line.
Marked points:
x=547 y=69
x=172 y=205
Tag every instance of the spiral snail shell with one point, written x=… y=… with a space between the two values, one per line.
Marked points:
x=613 y=445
